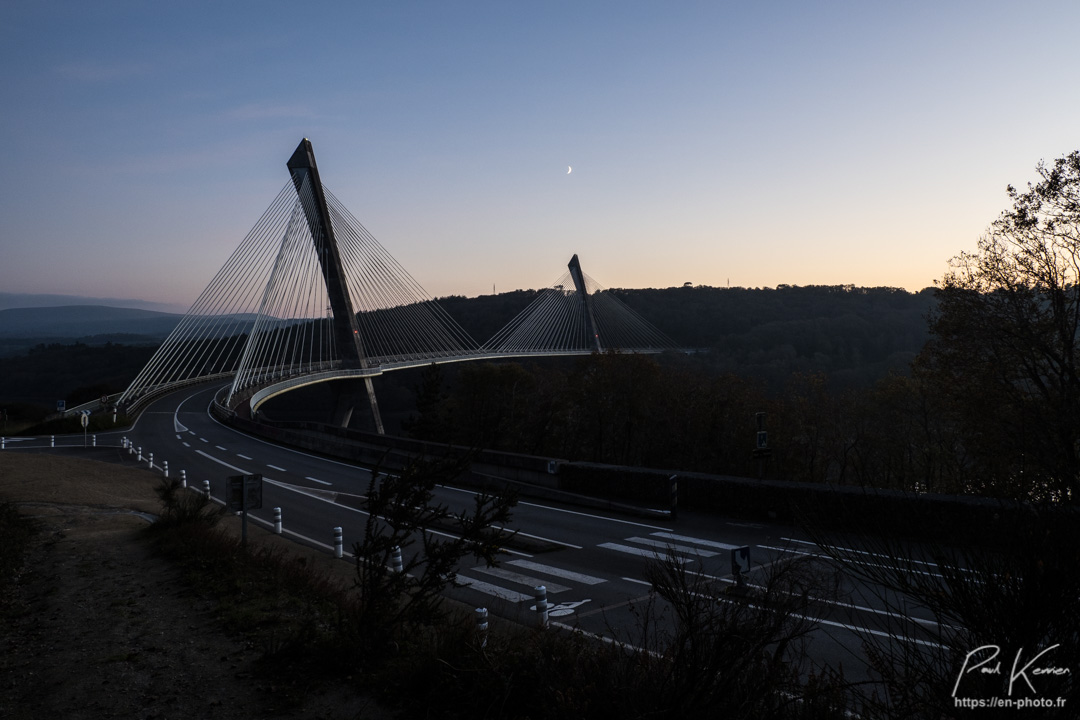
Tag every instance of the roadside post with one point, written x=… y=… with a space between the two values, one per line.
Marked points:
x=540 y=593
x=245 y=492
x=84 y=419
x=482 y=626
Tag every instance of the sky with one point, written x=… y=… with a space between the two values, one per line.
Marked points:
x=716 y=143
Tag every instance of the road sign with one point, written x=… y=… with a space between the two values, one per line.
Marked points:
x=740 y=560
x=84 y=418
x=245 y=493
x=61 y=405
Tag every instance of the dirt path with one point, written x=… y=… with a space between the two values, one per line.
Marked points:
x=97 y=626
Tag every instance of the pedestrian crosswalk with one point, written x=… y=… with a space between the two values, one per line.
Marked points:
x=669 y=546
x=516 y=580
x=516 y=577
x=557 y=572
x=650 y=552
x=542 y=575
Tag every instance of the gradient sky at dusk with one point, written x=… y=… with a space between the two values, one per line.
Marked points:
x=757 y=143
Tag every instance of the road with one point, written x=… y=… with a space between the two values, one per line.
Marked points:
x=591 y=563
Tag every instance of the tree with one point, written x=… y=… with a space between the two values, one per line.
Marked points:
x=1004 y=346
x=404 y=516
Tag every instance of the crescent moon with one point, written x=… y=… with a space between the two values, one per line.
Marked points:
x=569 y=169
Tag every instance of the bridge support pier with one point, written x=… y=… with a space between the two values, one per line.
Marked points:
x=349 y=394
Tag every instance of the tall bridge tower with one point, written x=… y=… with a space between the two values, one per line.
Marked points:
x=591 y=331
x=305 y=175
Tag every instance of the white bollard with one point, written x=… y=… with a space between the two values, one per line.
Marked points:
x=541 y=606
x=151 y=461
x=183 y=478
x=139 y=459
x=3 y=442
x=338 y=543
x=93 y=441
x=395 y=559
x=206 y=488
x=482 y=625
x=165 y=467
x=52 y=441
x=277 y=520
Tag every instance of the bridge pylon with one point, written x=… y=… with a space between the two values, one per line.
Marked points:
x=305 y=175
x=591 y=330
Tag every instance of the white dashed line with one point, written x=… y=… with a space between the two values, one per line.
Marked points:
x=275 y=467
x=321 y=482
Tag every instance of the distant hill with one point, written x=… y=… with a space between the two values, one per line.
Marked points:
x=41 y=300
x=83 y=321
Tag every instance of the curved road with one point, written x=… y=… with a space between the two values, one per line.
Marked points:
x=592 y=564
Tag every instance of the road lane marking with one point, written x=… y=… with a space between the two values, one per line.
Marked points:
x=854 y=628
x=857 y=629
x=243 y=457
x=221 y=448
x=823 y=556
x=642 y=552
x=536 y=537
x=583 y=514
x=495 y=590
x=696 y=541
x=839 y=603
x=557 y=572
x=520 y=579
x=322 y=482
x=275 y=467
x=208 y=456
x=671 y=547
x=871 y=554
x=186 y=444
x=318 y=495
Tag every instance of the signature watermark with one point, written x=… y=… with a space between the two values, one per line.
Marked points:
x=1024 y=677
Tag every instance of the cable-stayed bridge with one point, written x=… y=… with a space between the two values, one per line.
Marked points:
x=311 y=296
